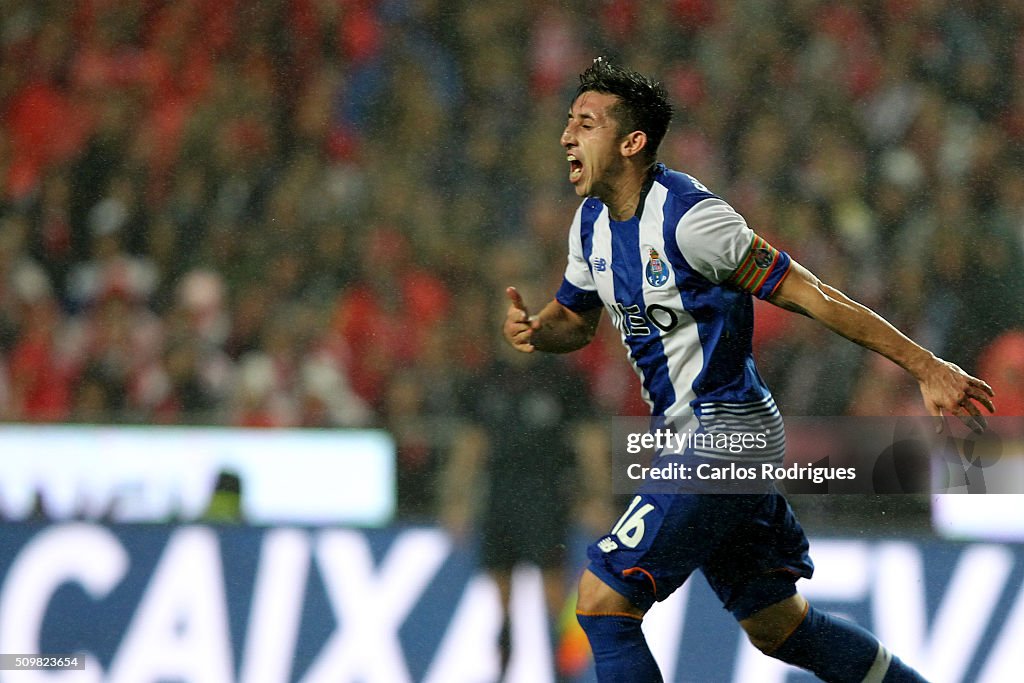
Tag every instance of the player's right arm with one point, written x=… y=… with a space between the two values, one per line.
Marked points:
x=556 y=328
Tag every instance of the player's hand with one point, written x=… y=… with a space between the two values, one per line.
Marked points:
x=947 y=389
x=519 y=327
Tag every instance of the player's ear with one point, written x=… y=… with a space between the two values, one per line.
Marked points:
x=633 y=143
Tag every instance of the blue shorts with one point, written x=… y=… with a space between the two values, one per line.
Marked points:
x=750 y=548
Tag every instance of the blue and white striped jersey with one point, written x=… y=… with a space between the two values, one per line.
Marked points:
x=677 y=282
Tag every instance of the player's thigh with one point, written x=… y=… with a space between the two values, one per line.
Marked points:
x=661 y=539
x=761 y=563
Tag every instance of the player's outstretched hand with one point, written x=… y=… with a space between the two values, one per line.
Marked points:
x=947 y=389
x=519 y=327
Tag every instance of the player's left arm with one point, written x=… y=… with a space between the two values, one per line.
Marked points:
x=945 y=387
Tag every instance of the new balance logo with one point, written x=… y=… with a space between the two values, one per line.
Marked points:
x=607 y=545
x=600 y=264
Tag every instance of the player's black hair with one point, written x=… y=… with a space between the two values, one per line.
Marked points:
x=643 y=101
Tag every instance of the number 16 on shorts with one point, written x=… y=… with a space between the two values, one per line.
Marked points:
x=630 y=527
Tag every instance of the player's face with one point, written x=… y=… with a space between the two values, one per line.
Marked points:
x=592 y=145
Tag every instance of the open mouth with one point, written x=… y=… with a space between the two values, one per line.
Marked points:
x=575 y=168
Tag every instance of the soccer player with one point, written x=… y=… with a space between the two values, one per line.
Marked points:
x=676 y=267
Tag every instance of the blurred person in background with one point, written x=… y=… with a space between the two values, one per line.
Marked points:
x=524 y=470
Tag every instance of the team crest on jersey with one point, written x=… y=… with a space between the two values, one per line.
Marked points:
x=657 y=271
x=762 y=257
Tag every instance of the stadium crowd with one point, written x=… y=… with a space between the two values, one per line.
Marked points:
x=305 y=212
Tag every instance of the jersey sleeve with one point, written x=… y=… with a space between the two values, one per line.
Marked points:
x=578 y=291
x=718 y=244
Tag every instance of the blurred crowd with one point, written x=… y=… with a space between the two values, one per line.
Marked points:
x=305 y=212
